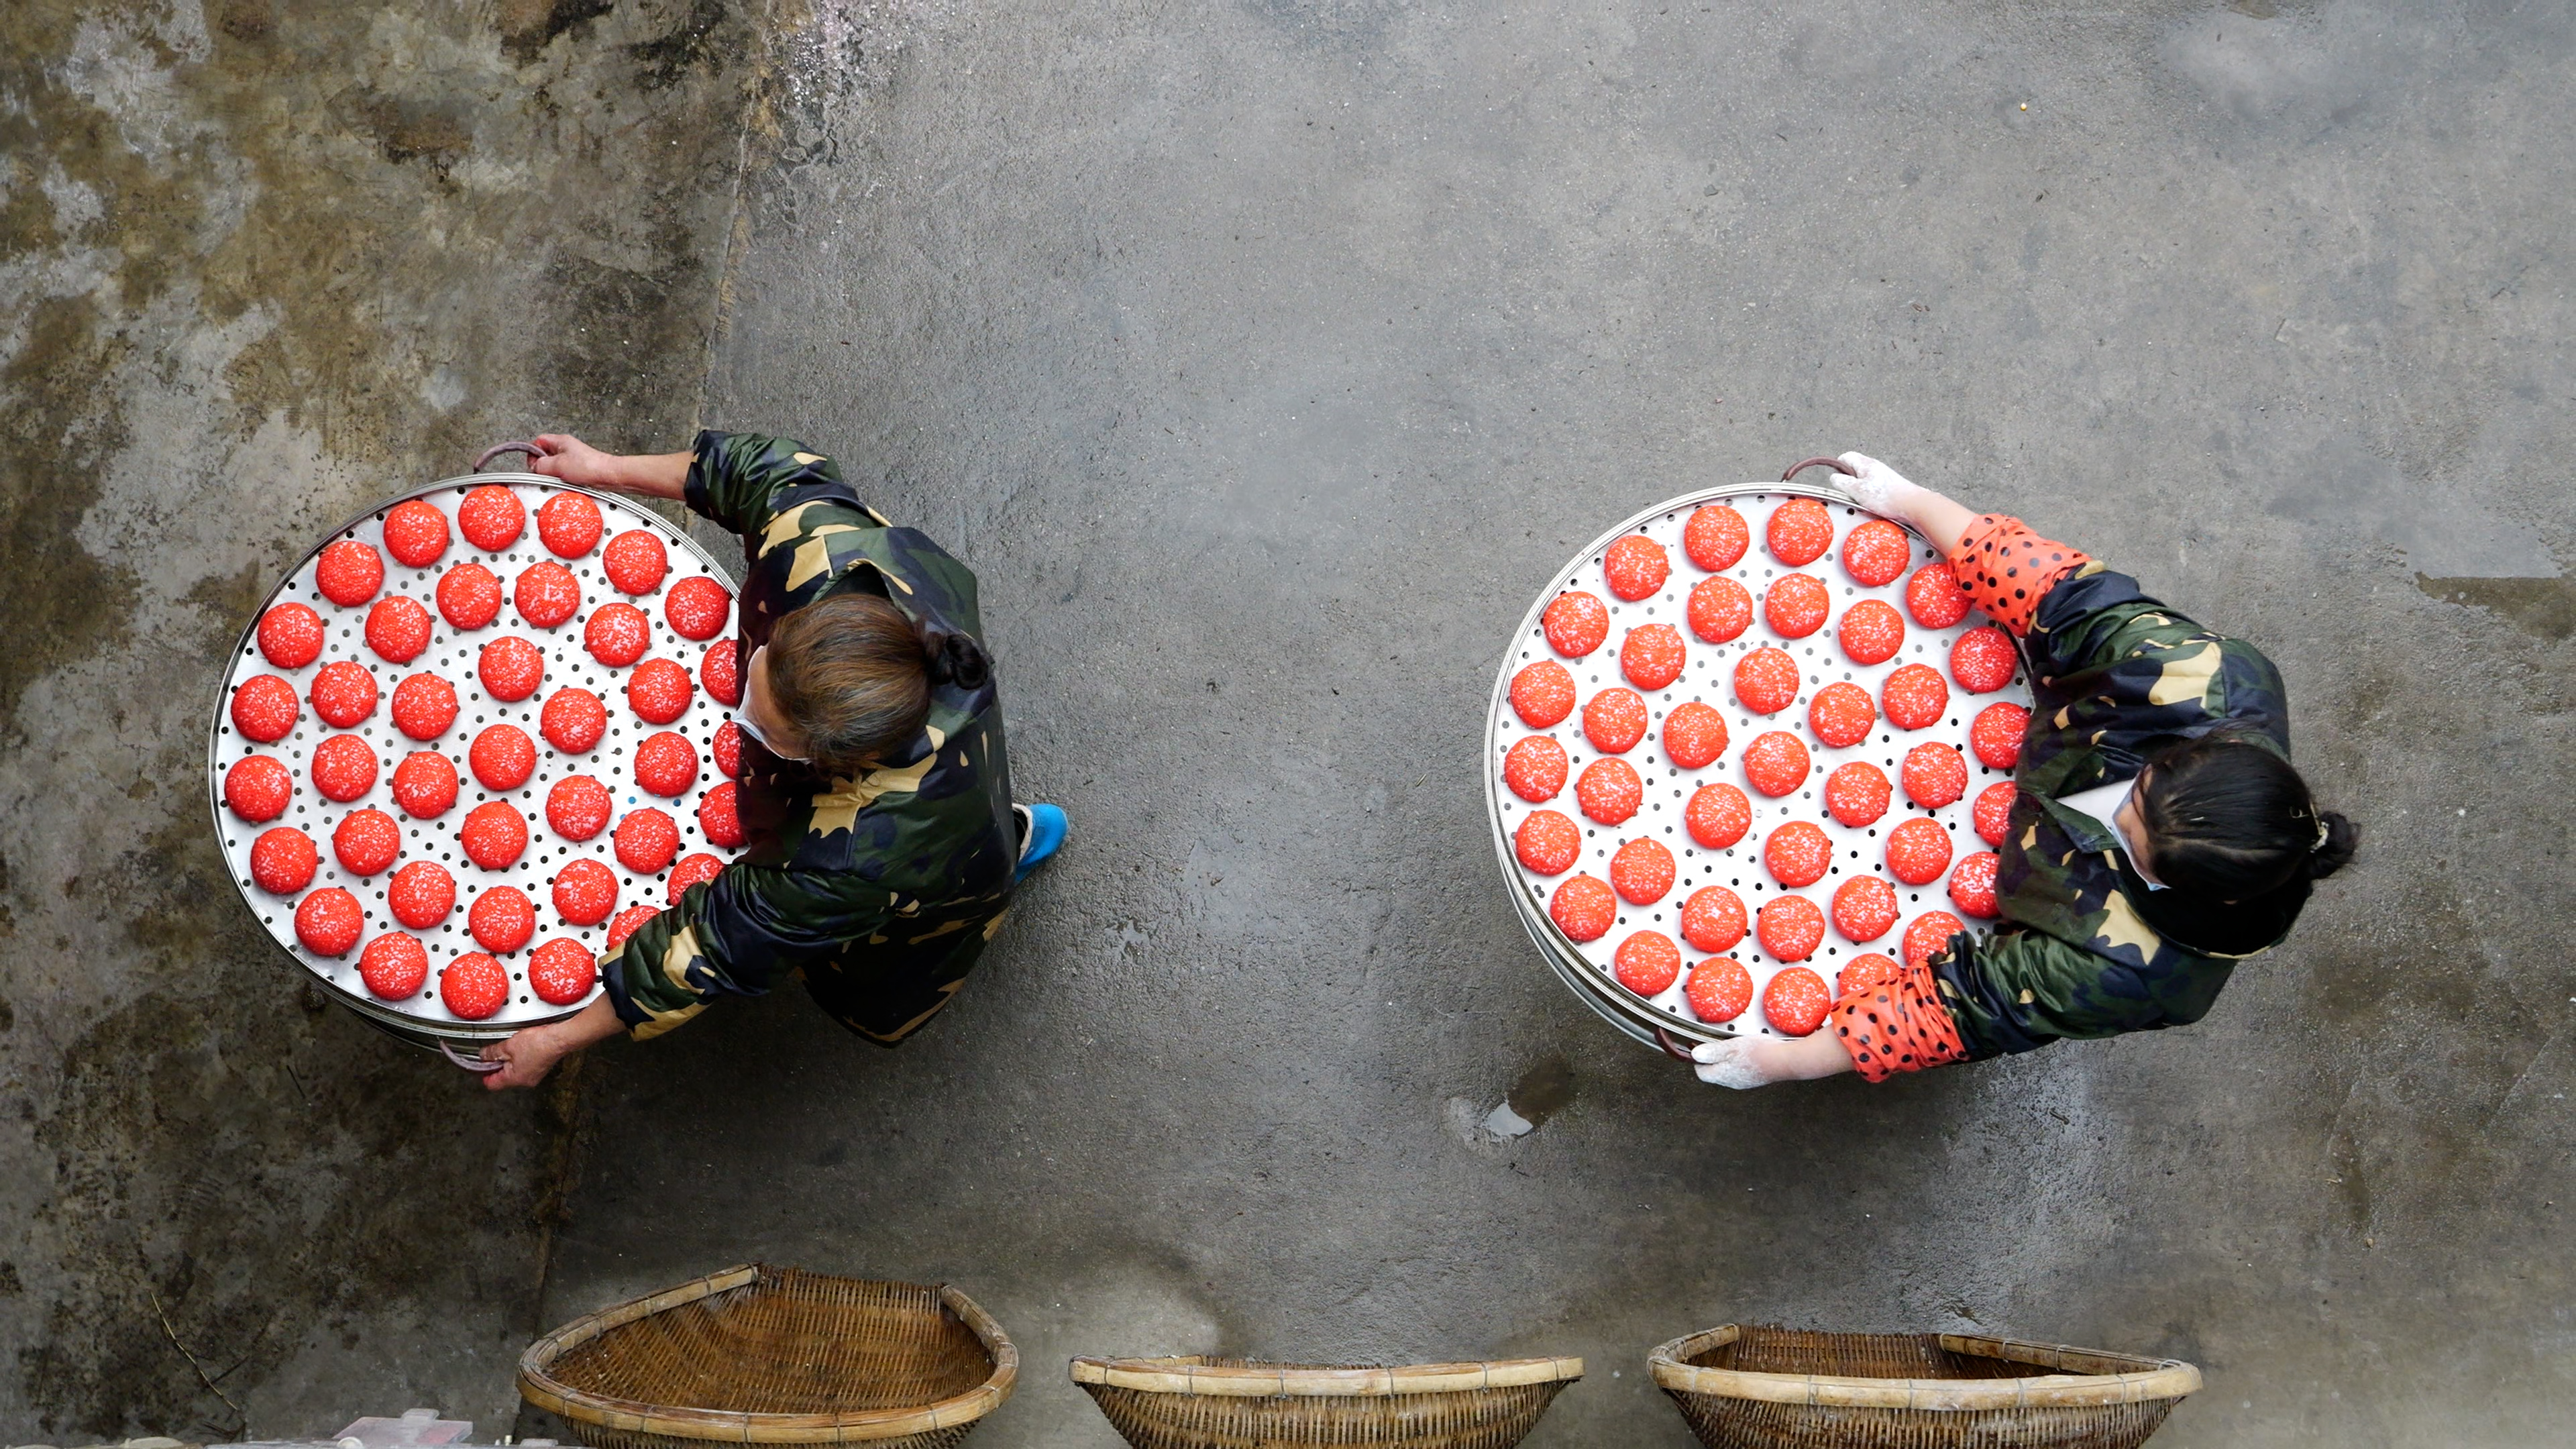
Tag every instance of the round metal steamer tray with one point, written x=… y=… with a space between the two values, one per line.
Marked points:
x=1708 y=676
x=452 y=653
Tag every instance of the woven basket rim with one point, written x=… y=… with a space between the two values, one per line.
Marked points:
x=1192 y=1374
x=2152 y=1379
x=539 y=1386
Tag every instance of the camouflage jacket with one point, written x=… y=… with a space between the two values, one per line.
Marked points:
x=2086 y=950
x=881 y=890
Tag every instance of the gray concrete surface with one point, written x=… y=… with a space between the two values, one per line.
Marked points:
x=1265 y=358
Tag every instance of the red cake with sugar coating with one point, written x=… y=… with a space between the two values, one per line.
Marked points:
x=1651 y=656
x=290 y=636
x=720 y=817
x=577 y=807
x=1715 y=537
x=695 y=868
x=585 y=892
x=1614 y=721
x=1542 y=693
x=728 y=749
x=573 y=720
x=1719 y=610
x=1934 y=598
x=716 y=675
x=349 y=572
x=415 y=533
x=366 y=842
x=1995 y=735
x=1842 y=714
x=1713 y=919
x=1993 y=811
x=502 y=919
x=1790 y=928
x=1857 y=794
x=282 y=860
x=424 y=706
x=502 y=758
x=491 y=517
x=1547 y=843
x=1694 y=735
x=560 y=972
x=469 y=597
x=1796 y=1001
x=1983 y=659
x=329 y=922
x=1776 y=763
x=1934 y=775
x=697 y=607
x=546 y=594
x=425 y=784
x=627 y=923
x=1641 y=871
x=1766 y=680
x=344 y=768
x=1535 y=768
x=474 y=987
x=1798 y=853
x=421 y=894
x=511 y=668
x=636 y=561
x=569 y=525
x=617 y=634
x=1927 y=935
x=1634 y=567
x=1796 y=605
x=1972 y=885
x=1864 y=908
x=1647 y=963
x=258 y=788
x=1871 y=632
x=1799 y=532
x=398 y=628
x=645 y=841
x=1918 y=850
x=344 y=693
x=1608 y=791
x=1717 y=816
x=1914 y=697
x=1864 y=973
x=394 y=966
x=1875 y=552
x=1719 y=989
x=1583 y=907
x=659 y=690
x=1576 y=623
x=494 y=835
x=264 y=708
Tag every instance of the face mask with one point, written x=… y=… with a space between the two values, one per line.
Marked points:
x=742 y=717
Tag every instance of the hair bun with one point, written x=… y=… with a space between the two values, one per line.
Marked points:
x=954 y=658
x=2335 y=847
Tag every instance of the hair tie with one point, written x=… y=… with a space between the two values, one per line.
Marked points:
x=2324 y=833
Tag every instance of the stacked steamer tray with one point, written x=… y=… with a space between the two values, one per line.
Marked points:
x=686 y=609
x=1830 y=892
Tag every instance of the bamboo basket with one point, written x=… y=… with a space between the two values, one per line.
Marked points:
x=762 y=1355
x=1224 y=1403
x=1773 y=1388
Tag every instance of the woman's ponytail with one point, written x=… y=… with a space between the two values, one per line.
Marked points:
x=2337 y=838
x=953 y=657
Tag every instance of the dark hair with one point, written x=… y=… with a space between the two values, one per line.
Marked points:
x=2230 y=818
x=854 y=676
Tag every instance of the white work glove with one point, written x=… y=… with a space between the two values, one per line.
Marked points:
x=1875 y=486
x=1731 y=1062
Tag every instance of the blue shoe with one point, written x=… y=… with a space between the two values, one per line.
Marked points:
x=1042 y=830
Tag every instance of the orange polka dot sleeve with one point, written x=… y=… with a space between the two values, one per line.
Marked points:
x=2005 y=569
x=1899 y=1027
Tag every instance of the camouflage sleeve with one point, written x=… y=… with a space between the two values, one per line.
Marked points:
x=2018 y=990
x=732 y=936
x=736 y=479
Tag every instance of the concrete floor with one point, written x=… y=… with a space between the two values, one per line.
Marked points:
x=1265 y=359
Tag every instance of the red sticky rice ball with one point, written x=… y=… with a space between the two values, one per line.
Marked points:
x=1994 y=811
x=1795 y=605
x=1871 y=632
x=415 y=533
x=1918 y=850
x=366 y=841
x=1915 y=696
x=1547 y=843
x=1790 y=928
x=1651 y=656
x=511 y=668
x=494 y=835
x=1796 y=1001
x=1717 y=816
x=645 y=841
x=491 y=517
x=719 y=816
x=393 y=966
x=344 y=768
x=1864 y=908
x=573 y=721
x=577 y=807
x=425 y=785
x=1799 y=532
x=1875 y=552
x=424 y=706
x=716 y=673
x=666 y=764
x=343 y=693
x=1996 y=734
x=469 y=597
x=560 y=972
x=585 y=891
x=636 y=561
x=1713 y=919
x=695 y=868
x=264 y=708
x=1542 y=693
x=617 y=634
x=1694 y=735
x=568 y=524
x=659 y=690
x=1934 y=775
x=1842 y=714
x=1647 y=963
x=1927 y=936
x=1641 y=871
x=1766 y=680
x=1634 y=566
x=1934 y=598
x=1982 y=660
x=397 y=628
x=349 y=572
x=627 y=923
x=1719 y=989
x=1614 y=720
x=421 y=894
x=1776 y=763
x=1972 y=885
x=1609 y=791
x=1719 y=610
x=728 y=749
x=474 y=986
x=1583 y=908
x=1535 y=768
x=290 y=636
x=1715 y=537
x=502 y=757
x=1576 y=623
x=329 y=921
x=1864 y=973
x=1856 y=794
x=502 y=919
x=1798 y=853
x=697 y=607
x=547 y=594
x=282 y=860
x=258 y=788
